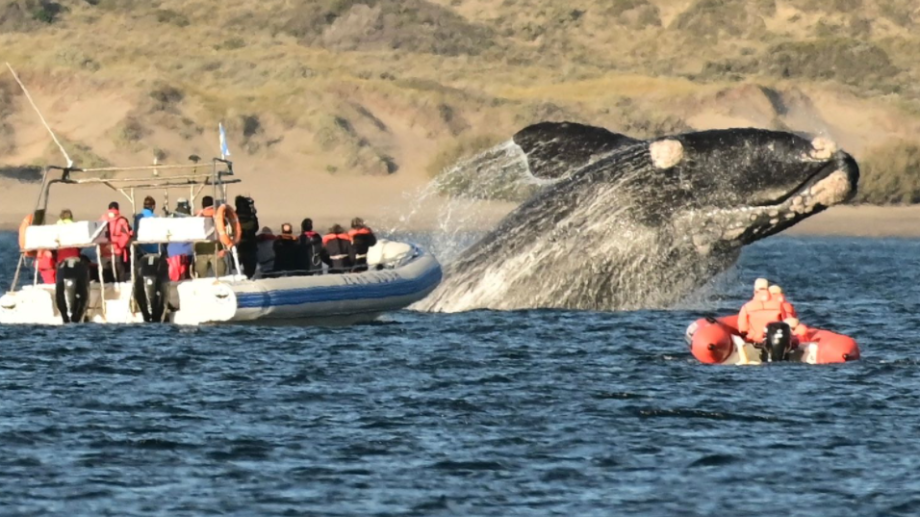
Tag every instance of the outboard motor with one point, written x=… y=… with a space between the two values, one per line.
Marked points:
x=777 y=342
x=71 y=291
x=151 y=284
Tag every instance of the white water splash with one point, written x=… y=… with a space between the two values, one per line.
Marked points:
x=465 y=201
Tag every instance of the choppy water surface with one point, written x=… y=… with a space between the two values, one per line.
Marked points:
x=483 y=413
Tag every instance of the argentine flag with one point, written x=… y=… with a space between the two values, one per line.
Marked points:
x=224 y=150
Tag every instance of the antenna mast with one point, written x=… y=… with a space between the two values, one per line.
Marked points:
x=45 y=123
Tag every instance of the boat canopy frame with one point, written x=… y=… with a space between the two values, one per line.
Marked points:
x=214 y=176
x=195 y=180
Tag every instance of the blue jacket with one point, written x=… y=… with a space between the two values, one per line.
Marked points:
x=145 y=248
x=178 y=248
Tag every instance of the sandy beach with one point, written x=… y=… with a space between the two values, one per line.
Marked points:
x=394 y=203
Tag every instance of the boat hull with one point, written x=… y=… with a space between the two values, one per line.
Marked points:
x=302 y=300
x=717 y=341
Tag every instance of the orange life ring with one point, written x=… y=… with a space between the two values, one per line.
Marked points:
x=224 y=218
x=26 y=222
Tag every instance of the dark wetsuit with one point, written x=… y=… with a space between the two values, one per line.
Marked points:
x=311 y=251
x=249 y=244
x=338 y=253
x=362 y=239
x=286 y=254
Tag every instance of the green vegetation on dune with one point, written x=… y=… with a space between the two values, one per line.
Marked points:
x=348 y=82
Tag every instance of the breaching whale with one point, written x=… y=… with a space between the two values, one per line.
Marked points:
x=629 y=224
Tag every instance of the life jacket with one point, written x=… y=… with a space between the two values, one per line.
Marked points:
x=338 y=252
x=756 y=314
x=119 y=232
x=787 y=307
x=363 y=238
x=45 y=262
x=330 y=236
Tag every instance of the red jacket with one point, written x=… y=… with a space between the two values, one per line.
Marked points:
x=119 y=234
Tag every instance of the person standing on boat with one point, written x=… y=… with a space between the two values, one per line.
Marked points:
x=208 y=256
x=266 y=251
x=63 y=254
x=149 y=207
x=248 y=248
x=338 y=251
x=119 y=233
x=179 y=254
x=311 y=248
x=777 y=292
x=287 y=259
x=762 y=310
x=362 y=238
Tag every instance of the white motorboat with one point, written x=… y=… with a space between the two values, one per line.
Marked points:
x=398 y=274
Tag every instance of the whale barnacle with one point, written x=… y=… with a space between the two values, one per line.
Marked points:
x=666 y=153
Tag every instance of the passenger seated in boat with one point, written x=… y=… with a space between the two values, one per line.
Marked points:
x=311 y=248
x=115 y=254
x=208 y=255
x=760 y=311
x=777 y=292
x=799 y=330
x=338 y=252
x=248 y=248
x=286 y=251
x=362 y=238
x=266 y=251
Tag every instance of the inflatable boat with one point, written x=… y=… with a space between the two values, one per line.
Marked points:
x=717 y=341
x=85 y=286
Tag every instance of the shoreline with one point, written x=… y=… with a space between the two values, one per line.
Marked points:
x=868 y=221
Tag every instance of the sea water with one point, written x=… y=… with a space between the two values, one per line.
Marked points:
x=538 y=412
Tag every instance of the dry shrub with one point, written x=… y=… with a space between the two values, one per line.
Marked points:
x=710 y=19
x=458 y=149
x=412 y=25
x=635 y=14
x=23 y=174
x=26 y=15
x=847 y=61
x=890 y=174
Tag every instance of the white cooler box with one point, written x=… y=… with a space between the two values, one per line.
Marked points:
x=178 y=229
x=82 y=234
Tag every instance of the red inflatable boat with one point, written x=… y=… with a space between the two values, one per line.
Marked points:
x=717 y=341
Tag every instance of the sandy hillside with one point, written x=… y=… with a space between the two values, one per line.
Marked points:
x=345 y=108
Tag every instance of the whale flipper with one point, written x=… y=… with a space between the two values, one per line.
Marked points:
x=556 y=149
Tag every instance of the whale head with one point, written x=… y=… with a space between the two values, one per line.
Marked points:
x=734 y=187
x=641 y=224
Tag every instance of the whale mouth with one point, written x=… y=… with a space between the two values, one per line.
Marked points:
x=831 y=184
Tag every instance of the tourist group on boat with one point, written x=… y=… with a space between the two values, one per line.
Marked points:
x=260 y=252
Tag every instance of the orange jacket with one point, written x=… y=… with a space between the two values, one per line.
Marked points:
x=790 y=310
x=756 y=314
